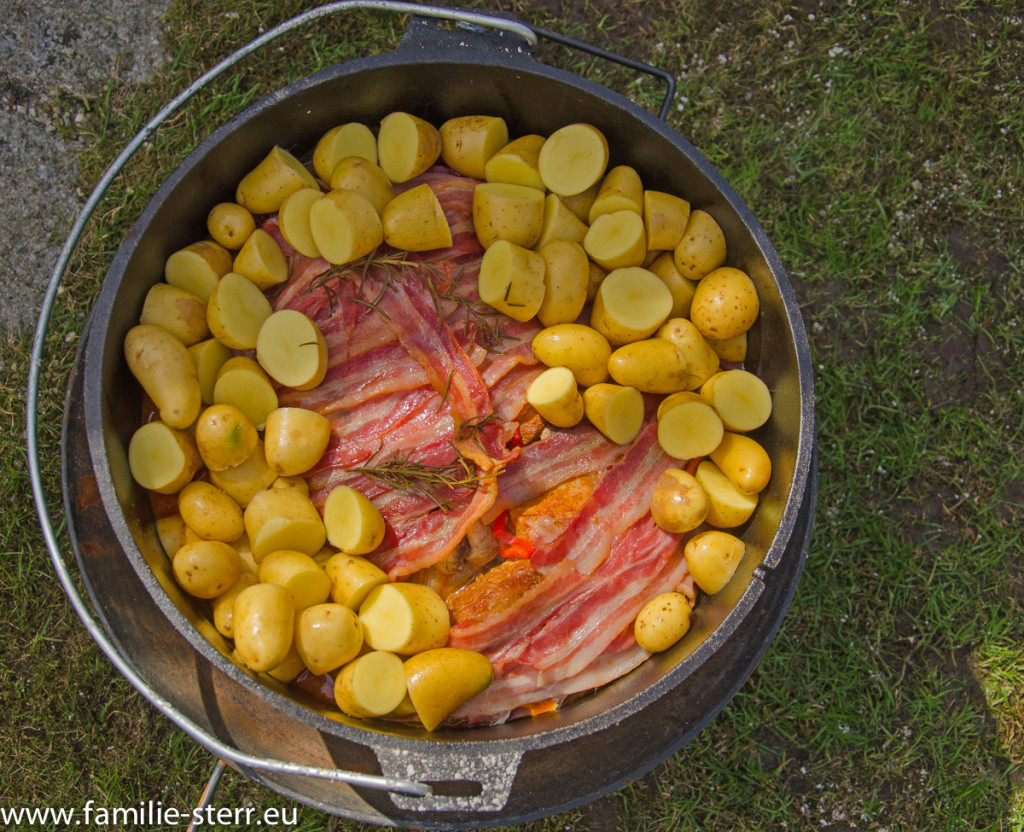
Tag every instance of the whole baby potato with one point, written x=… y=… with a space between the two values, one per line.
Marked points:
x=178 y=311
x=701 y=360
x=225 y=436
x=581 y=348
x=679 y=503
x=206 y=568
x=415 y=221
x=230 y=225
x=210 y=513
x=404 y=618
x=653 y=365
x=662 y=622
x=725 y=304
x=297 y=572
x=295 y=439
x=165 y=369
x=263 y=619
x=744 y=461
x=327 y=636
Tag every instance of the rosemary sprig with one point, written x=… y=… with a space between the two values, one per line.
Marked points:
x=401 y=471
x=470 y=429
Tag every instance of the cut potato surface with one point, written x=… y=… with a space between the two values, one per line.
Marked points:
x=741 y=398
x=261 y=260
x=728 y=507
x=345 y=226
x=236 y=311
x=620 y=190
x=689 y=430
x=245 y=481
x=292 y=349
x=517 y=163
x=441 y=680
x=209 y=356
x=354 y=173
x=631 y=304
x=297 y=572
x=372 y=685
x=555 y=396
x=242 y=383
x=616 y=411
x=566 y=279
x=406 y=146
x=352 y=139
x=162 y=458
x=283 y=518
x=404 y=618
x=573 y=159
x=665 y=219
x=293 y=220
x=265 y=187
x=469 y=142
x=353 y=523
x=198 y=267
x=617 y=240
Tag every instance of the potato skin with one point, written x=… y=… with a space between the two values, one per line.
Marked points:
x=653 y=365
x=165 y=369
x=679 y=503
x=662 y=622
x=712 y=558
x=725 y=304
x=210 y=513
x=206 y=568
x=581 y=348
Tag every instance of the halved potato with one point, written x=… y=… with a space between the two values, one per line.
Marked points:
x=371 y=685
x=292 y=349
x=702 y=247
x=741 y=398
x=555 y=396
x=415 y=221
x=261 y=260
x=573 y=158
x=178 y=311
x=242 y=383
x=406 y=146
x=293 y=220
x=441 y=680
x=404 y=618
x=469 y=142
x=566 y=279
x=728 y=507
x=560 y=223
x=352 y=578
x=162 y=458
x=620 y=190
x=744 y=461
x=209 y=356
x=265 y=187
x=712 y=558
x=283 y=518
x=197 y=267
x=516 y=163
x=507 y=212
x=353 y=523
x=665 y=218
x=512 y=280
x=616 y=240
x=630 y=305
x=345 y=226
x=327 y=636
x=616 y=411
x=236 y=311
x=682 y=288
x=354 y=173
x=243 y=482
x=689 y=430
x=352 y=139
x=297 y=572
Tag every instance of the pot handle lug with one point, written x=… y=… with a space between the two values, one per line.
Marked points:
x=489 y=774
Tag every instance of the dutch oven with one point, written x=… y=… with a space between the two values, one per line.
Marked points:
x=482 y=776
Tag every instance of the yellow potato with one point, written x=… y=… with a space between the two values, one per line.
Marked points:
x=295 y=439
x=725 y=304
x=206 y=568
x=289 y=669
x=353 y=523
x=689 y=430
x=345 y=226
x=580 y=203
x=293 y=220
x=679 y=503
x=404 y=618
x=209 y=356
x=198 y=267
x=682 y=289
x=327 y=636
x=701 y=360
x=261 y=260
x=265 y=187
x=242 y=383
x=616 y=411
x=283 y=518
x=620 y=190
x=223 y=606
x=242 y=482
x=372 y=685
x=555 y=396
x=741 y=398
x=349 y=140
x=292 y=349
x=173 y=533
x=406 y=146
x=744 y=461
x=297 y=482
x=210 y=513
x=730 y=350
x=662 y=622
x=297 y=572
x=352 y=578
x=415 y=221
x=597 y=276
x=354 y=173
x=264 y=625
x=179 y=312
x=560 y=223
x=507 y=212
x=672 y=400
x=165 y=369
x=566 y=279
x=581 y=348
x=665 y=218
x=616 y=240
x=512 y=280
x=225 y=436
x=517 y=162
x=441 y=680
x=230 y=225
x=727 y=506
x=653 y=365
x=702 y=247
x=162 y=458
x=712 y=558
x=236 y=311
x=572 y=159
x=469 y=142
x=630 y=305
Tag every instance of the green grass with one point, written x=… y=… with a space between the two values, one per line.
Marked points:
x=880 y=146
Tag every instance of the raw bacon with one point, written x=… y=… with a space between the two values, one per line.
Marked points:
x=421 y=372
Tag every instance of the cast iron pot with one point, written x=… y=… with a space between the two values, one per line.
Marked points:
x=483 y=776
